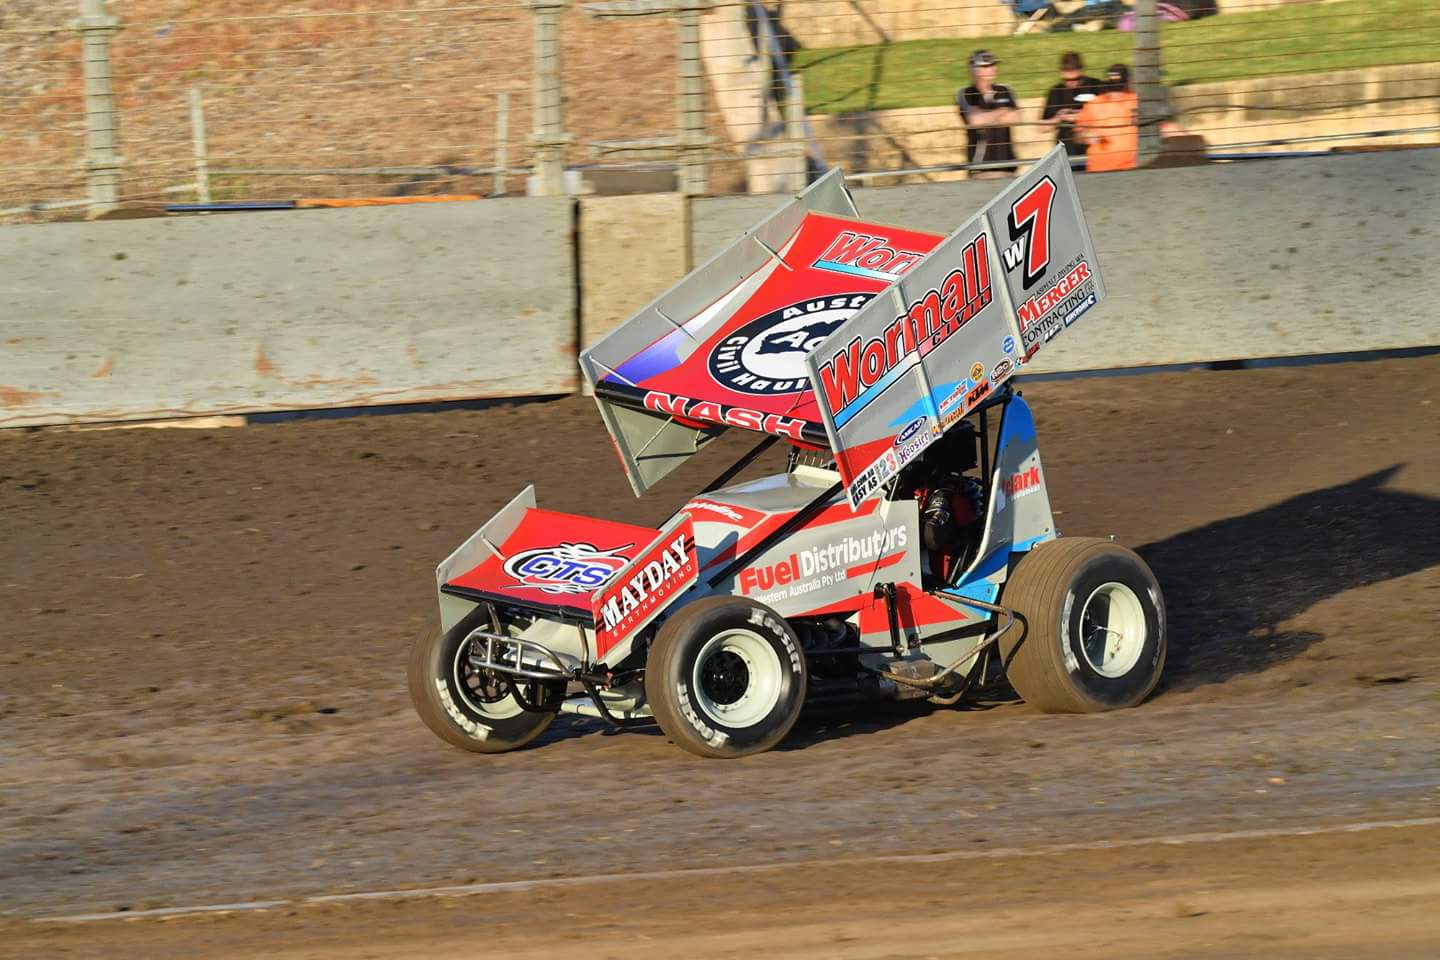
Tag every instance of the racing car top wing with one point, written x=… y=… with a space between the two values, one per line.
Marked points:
x=725 y=347
x=910 y=363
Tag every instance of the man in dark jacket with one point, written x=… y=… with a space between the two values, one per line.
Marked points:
x=1065 y=100
x=988 y=109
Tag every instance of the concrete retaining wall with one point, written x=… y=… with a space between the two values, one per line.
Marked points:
x=235 y=313
x=1263 y=259
x=149 y=319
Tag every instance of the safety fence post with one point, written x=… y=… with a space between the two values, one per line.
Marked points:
x=693 y=142
x=197 y=134
x=1148 y=87
x=502 y=140
x=102 y=120
x=797 y=134
x=549 y=139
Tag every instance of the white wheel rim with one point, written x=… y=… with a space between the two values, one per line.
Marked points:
x=720 y=690
x=1112 y=630
x=499 y=710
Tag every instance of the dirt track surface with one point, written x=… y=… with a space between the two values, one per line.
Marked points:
x=204 y=635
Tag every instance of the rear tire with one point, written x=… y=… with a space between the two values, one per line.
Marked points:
x=469 y=709
x=1091 y=630
x=726 y=678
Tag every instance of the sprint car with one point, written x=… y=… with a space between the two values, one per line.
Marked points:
x=908 y=550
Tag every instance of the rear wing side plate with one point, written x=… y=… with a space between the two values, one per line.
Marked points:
x=911 y=363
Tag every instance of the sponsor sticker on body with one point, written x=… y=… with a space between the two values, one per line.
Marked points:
x=867 y=255
x=816 y=568
x=1017 y=485
x=1058 y=305
x=766 y=356
x=565 y=568
x=641 y=590
x=708 y=411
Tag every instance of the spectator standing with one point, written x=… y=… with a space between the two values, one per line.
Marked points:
x=987 y=109
x=1065 y=100
x=1109 y=125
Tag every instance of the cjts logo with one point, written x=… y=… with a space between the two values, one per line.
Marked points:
x=1029 y=223
x=567 y=568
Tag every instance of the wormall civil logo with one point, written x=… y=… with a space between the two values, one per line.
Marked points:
x=861 y=369
x=863 y=255
x=566 y=568
x=766 y=356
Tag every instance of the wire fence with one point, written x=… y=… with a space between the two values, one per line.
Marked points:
x=140 y=104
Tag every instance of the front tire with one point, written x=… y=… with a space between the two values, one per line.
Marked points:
x=472 y=709
x=1091 y=635
x=726 y=678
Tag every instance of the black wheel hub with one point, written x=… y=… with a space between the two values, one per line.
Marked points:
x=725 y=677
x=1090 y=630
x=481 y=685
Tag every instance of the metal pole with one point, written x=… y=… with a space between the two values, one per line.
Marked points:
x=549 y=139
x=795 y=132
x=1148 y=88
x=102 y=120
x=693 y=180
x=197 y=132
x=502 y=139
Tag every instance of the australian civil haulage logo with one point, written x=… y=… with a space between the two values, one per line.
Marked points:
x=566 y=567
x=766 y=356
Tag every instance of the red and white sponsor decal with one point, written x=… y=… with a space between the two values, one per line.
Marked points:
x=977 y=393
x=1019 y=484
x=835 y=561
x=632 y=599
x=723 y=513
x=866 y=255
x=1034 y=309
x=856 y=373
x=1029 y=222
x=565 y=567
x=708 y=411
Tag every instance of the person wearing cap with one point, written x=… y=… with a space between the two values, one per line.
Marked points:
x=987 y=109
x=1109 y=125
x=1066 y=98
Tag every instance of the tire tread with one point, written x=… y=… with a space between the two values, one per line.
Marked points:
x=1034 y=663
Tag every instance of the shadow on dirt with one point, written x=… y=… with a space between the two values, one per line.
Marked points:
x=1231 y=584
x=817 y=724
x=1228 y=587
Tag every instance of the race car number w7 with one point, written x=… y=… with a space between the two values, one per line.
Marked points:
x=1029 y=222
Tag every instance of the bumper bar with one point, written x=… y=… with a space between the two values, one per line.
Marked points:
x=504 y=654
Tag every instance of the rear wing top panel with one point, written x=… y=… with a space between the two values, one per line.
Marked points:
x=945 y=335
x=726 y=346
x=708 y=291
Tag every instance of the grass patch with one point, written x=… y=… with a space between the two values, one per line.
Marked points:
x=1310 y=39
